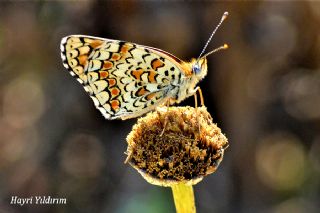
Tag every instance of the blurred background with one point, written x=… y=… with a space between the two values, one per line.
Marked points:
x=264 y=93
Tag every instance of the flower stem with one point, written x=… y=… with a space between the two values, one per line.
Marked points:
x=183 y=198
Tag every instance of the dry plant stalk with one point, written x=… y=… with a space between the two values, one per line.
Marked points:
x=191 y=147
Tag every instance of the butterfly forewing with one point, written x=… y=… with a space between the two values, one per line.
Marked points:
x=123 y=79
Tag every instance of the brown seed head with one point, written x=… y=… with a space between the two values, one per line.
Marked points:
x=190 y=148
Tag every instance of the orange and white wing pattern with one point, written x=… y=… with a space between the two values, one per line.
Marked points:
x=124 y=79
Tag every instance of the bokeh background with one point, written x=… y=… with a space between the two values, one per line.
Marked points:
x=264 y=92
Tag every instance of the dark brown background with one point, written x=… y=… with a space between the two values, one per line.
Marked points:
x=264 y=92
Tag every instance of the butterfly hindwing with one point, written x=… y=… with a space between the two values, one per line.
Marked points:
x=123 y=79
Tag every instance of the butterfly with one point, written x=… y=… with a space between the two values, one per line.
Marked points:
x=126 y=80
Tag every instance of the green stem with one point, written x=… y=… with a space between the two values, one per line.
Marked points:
x=183 y=198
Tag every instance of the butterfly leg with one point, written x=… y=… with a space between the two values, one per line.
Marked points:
x=166 y=118
x=195 y=100
x=197 y=89
x=201 y=96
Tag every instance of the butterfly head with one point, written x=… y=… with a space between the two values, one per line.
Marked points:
x=199 y=68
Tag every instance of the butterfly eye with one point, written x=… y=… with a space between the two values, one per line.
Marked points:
x=196 y=69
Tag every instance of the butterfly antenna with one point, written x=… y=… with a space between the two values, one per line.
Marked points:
x=225 y=46
x=224 y=16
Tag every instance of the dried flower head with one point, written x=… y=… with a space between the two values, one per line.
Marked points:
x=191 y=147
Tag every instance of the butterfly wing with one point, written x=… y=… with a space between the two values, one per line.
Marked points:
x=124 y=80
